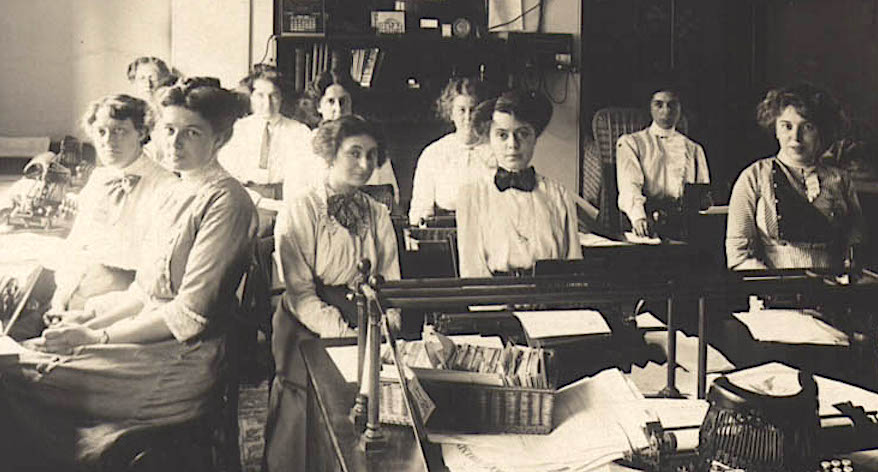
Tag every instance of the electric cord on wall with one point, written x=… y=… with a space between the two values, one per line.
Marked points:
x=267 y=43
x=522 y=15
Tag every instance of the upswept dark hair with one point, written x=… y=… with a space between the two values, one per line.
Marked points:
x=204 y=95
x=813 y=103
x=164 y=71
x=265 y=72
x=467 y=86
x=329 y=136
x=533 y=108
x=122 y=107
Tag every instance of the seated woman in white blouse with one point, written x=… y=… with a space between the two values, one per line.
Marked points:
x=265 y=144
x=332 y=100
x=321 y=235
x=448 y=162
x=511 y=219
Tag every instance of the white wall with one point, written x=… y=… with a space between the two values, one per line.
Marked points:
x=557 y=154
x=211 y=37
x=58 y=55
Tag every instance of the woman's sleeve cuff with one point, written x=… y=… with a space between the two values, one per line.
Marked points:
x=183 y=323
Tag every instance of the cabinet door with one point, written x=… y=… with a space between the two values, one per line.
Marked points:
x=212 y=38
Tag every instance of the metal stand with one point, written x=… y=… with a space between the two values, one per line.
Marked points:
x=373 y=440
x=670 y=390
x=702 y=348
x=359 y=410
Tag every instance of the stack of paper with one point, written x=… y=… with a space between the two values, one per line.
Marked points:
x=791 y=327
x=595 y=424
x=559 y=325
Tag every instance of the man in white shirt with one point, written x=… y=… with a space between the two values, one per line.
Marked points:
x=653 y=165
x=266 y=146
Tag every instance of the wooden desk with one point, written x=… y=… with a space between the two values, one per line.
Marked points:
x=332 y=442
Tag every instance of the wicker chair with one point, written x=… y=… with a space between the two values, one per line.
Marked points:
x=607 y=126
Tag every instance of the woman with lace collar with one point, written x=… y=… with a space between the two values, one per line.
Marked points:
x=791 y=210
x=150 y=355
x=321 y=235
x=509 y=220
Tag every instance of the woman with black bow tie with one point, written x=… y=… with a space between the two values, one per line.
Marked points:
x=508 y=222
x=321 y=236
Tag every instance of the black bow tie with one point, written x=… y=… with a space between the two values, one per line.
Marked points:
x=524 y=180
x=350 y=210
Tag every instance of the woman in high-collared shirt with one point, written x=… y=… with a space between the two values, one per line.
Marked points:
x=511 y=219
x=451 y=160
x=791 y=210
x=321 y=236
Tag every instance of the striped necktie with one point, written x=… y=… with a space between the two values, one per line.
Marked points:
x=264 y=148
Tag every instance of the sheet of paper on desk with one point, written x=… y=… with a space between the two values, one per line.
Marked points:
x=791 y=327
x=345 y=360
x=633 y=238
x=594 y=240
x=647 y=320
x=653 y=377
x=30 y=247
x=687 y=351
x=561 y=323
x=594 y=424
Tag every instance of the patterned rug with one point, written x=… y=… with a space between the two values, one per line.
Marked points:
x=252 y=412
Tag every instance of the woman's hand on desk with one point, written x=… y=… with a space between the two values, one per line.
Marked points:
x=63 y=337
x=641 y=227
x=56 y=317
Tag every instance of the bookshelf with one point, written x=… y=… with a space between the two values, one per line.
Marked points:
x=399 y=75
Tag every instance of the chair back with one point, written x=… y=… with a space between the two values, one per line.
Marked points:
x=381 y=193
x=607 y=126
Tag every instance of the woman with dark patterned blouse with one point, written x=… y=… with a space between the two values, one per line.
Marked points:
x=791 y=210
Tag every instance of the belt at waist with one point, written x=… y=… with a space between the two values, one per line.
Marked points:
x=336 y=295
x=513 y=273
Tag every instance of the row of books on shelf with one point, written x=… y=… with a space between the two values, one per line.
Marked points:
x=310 y=61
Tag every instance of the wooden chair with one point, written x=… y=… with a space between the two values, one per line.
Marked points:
x=607 y=126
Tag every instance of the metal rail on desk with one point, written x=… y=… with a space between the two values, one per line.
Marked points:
x=440 y=294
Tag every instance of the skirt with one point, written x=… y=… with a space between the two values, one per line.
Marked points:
x=286 y=425
x=66 y=410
